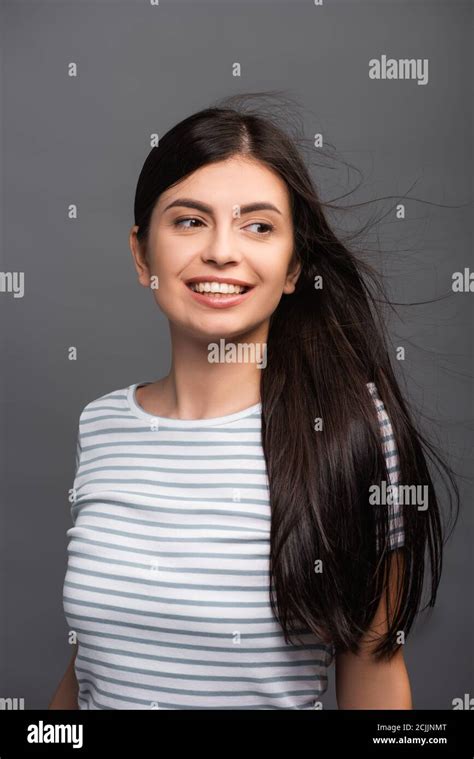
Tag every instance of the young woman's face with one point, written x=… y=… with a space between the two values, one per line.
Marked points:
x=206 y=238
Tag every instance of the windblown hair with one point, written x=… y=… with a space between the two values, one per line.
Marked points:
x=324 y=345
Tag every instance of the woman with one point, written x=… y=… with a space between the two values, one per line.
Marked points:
x=237 y=523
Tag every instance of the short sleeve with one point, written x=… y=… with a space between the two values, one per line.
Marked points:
x=389 y=448
x=74 y=489
x=78 y=453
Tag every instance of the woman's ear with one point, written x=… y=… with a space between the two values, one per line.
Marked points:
x=139 y=257
x=292 y=277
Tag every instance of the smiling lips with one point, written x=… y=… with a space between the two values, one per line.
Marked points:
x=218 y=293
x=217 y=287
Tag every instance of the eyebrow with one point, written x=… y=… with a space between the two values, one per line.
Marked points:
x=249 y=208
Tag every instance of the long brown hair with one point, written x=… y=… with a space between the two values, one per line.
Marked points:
x=324 y=345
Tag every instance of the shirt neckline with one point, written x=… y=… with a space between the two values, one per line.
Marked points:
x=139 y=411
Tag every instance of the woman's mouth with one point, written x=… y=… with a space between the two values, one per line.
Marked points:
x=218 y=294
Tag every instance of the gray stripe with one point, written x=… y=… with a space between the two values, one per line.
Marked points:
x=171 y=601
x=228 y=694
x=258 y=664
x=167 y=705
x=187 y=555
x=189 y=633
x=198 y=678
x=174 y=526
x=173 y=470
x=183 y=570
x=157 y=483
x=157 y=539
x=206 y=430
x=163 y=584
x=165 y=496
x=179 y=617
x=214 y=649
x=178 y=456
x=84 y=499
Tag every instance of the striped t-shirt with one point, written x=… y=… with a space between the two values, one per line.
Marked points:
x=167 y=577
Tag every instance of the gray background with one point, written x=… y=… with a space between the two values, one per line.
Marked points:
x=84 y=140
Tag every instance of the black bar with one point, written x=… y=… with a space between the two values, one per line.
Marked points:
x=137 y=733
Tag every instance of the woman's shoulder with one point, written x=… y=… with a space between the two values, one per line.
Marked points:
x=111 y=400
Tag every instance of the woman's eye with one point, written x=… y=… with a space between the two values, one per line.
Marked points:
x=269 y=227
x=182 y=224
x=179 y=222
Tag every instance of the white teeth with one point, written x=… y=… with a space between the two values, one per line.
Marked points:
x=216 y=287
